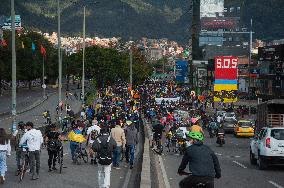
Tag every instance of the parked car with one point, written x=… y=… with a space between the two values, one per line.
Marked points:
x=267 y=147
x=229 y=125
x=244 y=128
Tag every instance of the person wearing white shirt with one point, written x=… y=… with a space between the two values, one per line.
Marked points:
x=92 y=133
x=33 y=138
x=5 y=150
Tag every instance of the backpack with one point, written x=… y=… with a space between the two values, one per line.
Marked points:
x=94 y=134
x=105 y=154
x=53 y=144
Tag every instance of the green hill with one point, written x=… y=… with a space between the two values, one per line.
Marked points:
x=138 y=18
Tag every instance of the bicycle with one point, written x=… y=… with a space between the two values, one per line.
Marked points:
x=60 y=159
x=25 y=163
x=81 y=153
x=158 y=143
x=197 y=185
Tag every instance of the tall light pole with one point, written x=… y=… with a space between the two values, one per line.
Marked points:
x=250 y=49
x=84 y=46
x=14 y=85
x=59 y=54
x=130 y=66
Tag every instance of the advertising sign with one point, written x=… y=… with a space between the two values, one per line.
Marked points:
x=226 y=75
x=226 y=67
x=182 y=71
x=8 y=23
x=218 y=23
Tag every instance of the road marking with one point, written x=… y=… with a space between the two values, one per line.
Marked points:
x=65 y=154
x=164 y=173
x=218 y=154
x=240 y=164
x=275 y=184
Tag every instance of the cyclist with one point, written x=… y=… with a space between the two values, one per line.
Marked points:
x=202 y=162
x=76 y=137
x=34 y=139
x=158 y=129
x=53 y=145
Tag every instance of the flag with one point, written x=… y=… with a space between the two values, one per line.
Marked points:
x=42 y=50
x=33 y=47
x=3 y=43
x=23 y=46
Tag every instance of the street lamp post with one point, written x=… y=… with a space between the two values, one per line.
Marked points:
x=130 y=66
x=84 y=46
x=250 y=49
x=59 y=54
x=14 y=101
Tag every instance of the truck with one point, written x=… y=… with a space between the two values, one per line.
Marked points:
x=270 y=114
x=267 y=147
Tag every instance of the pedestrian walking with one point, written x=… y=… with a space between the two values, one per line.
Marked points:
x=18 y=134
x=5 y=150
x=53 y=145
x=104 y=145
x=34 y=139
x=131 y=135
x=118 y=135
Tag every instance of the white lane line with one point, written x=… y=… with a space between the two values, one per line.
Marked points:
x=164 y=173
x=240 y=164
x=218 y=154
x=65 y=154
x=275 y=184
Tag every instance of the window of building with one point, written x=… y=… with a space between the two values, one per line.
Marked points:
x=232 y=9
x=230 y=38
x=238 y=9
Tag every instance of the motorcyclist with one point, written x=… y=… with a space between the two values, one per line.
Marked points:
x=202 y=162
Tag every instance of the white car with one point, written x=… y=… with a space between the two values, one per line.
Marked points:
x=230 y=116
x=267 y=147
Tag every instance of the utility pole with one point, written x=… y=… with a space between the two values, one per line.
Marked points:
x=130 y=65
x=195 y=30
x=84 y=46
x=59 y=54
x=14 y=85
x=250 y=49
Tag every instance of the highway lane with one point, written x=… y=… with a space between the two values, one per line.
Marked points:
x=236 y=168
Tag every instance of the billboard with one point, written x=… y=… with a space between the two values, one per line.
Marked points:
x=226 y=75
x=182 y=71
x=226 y=68
x=209 y=8
x=8 y=23
x=208 y=23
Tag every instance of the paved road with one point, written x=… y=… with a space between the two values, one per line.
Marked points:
x=74 y=176
x=25 y=98
x=236 y=169
x=35 y=115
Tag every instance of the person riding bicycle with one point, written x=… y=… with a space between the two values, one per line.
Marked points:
x=157 y=129
x=202 y=161
x=34 y=139
x=53 y=143
x=76 y=137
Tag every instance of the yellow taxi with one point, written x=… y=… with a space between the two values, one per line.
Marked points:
x=244 y=128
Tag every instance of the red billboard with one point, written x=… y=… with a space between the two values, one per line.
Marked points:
x=218 y=23
x=226 y=68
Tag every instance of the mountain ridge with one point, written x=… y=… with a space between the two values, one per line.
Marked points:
x=138 y=18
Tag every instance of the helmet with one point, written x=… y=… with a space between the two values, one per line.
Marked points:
x=196 y=135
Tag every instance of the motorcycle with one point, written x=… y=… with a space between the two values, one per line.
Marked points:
x=220 y=139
